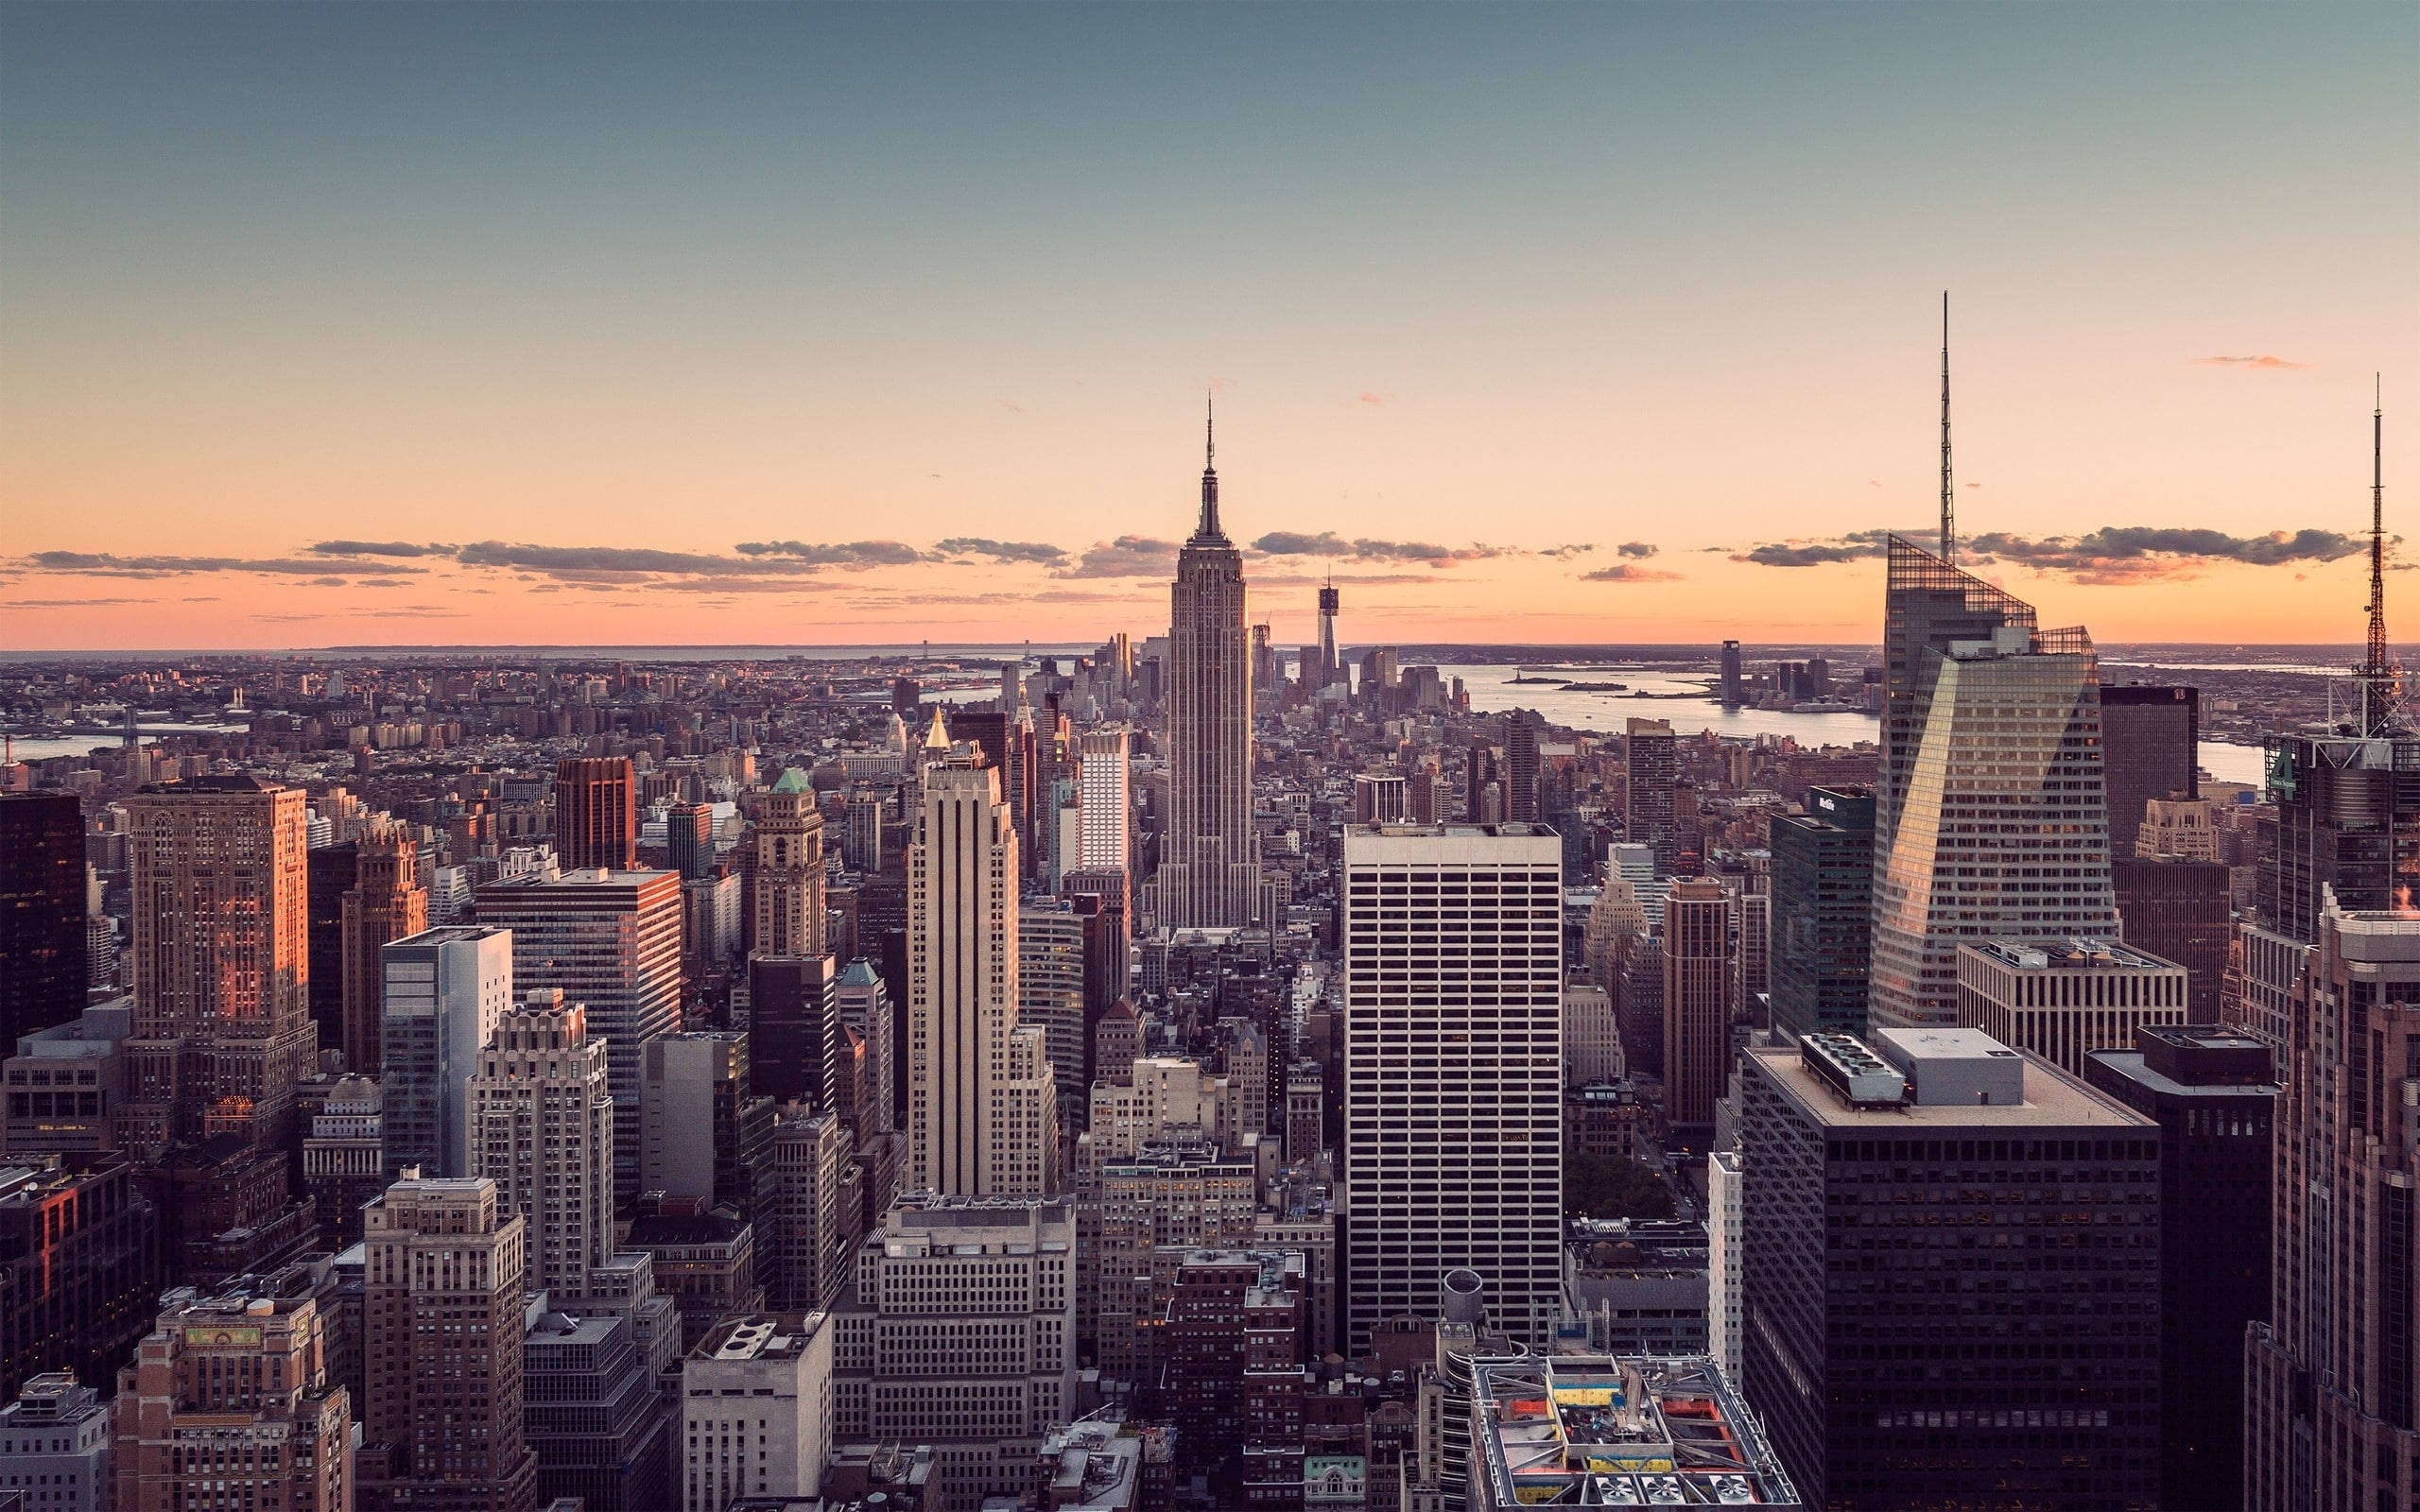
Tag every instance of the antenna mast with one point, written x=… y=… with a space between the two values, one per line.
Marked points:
x=2381 y=680
x=1948 y=491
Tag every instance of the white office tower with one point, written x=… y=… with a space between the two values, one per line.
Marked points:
x=1102 y=801
x=961 y=1334
x=441 y=993
x=756 y=1409
x=982 y=1108
x=541 y=1120
x=2000 y=829
x=1725 y=1239
x=1635 y=865
x=1453 y=1148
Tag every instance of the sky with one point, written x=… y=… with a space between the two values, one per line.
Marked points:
x=625 y=324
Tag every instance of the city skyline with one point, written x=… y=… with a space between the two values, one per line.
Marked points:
x=570 y=313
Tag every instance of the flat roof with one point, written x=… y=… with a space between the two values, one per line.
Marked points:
x=2067 y=954
x=2052 y=1100
x=2129 y=1064
x=1602 y=1431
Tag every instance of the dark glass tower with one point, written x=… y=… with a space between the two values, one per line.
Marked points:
x=42 y=912
x=333 y=870
x=2148 y=738
x=1822 y=937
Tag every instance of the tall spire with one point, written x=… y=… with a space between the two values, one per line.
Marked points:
x=2381 y=680
x=1948 y=490
x=1209 y=525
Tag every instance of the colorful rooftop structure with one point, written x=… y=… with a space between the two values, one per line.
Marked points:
x=1603 y=1431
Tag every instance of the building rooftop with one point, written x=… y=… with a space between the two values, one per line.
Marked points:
x=1600 y=1431
x=760 y=1336
x=2051 y=1100
x=1099 y=1466
x=2067 y=954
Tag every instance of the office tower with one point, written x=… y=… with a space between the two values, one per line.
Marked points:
x=1521 y=766
x=2332 y=1376
x=863 y=1003
x=1102 y=803
x=1621 y=1431
x=2062 y=999
x=790 y=871
x=2179 y=910
x=386 y=902
x=42 y=912
x=1209 y=875
x=1894 y=1369
x=1051 y=993
x=344 y=1160
x=1453 y=937
x=960 y=1334
x=443 y=989
x=595 y=1419
x=80 y=1266
x=2149 y=750
x=330 y=873
x=709 y=1134
x=793 y=1028
x=1638 y=1007
x=981 y=1109
x=1726 y=1245
x=82 y=1055
x=55 y=1446
x=2348 y=818
x=228 y=1403
x=1592 y=1044
x=1378 y=799
x=1651 y=775
x=597 y=817
x=861 y=843
x=1751 y=953
x=1697 y=1004
x=2213 y=1094
x=1264 y=660
x=758 y=1409
x=1011 y=686
x=689 y=839
x=2002 y=833
x=807 y=1238
x=1734 y=692
x=221 y=936
x=1331 y=660
x=542 y=1128
x=610 y=940
x=442 y=1308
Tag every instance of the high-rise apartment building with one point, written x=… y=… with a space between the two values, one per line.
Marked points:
x=541 y=1118
x=2213 y=1093
x=220 y=961
x=443 y=991
x=1209 y=875
x=757 y=1410
x=1453 y=1056
x=42 y=912
x=443 y=1274
x=1651 y=776
x=228 y=1403
x=386 y=902
x=596 y=816
x=2148 y=740
x=2001 y=830
x=1823 y=909
x=2063 y=999
x=1735 y=689
x=1521 y=766
x=610 y=940
x=982 y=1115
x=2017 y=1366
x=1102 y=803
x=790 y=871
x=1697 y=1004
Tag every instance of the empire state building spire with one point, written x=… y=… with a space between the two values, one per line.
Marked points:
x=1208 y=527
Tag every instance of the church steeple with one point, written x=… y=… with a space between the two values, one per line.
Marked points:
x=1208 y=526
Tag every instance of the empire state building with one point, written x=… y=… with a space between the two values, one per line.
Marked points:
x=1209 y=875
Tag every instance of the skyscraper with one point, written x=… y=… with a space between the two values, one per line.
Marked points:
x=542 y=1129
x=2147 y=740
x=443 y=991
x=689 y=839
x=42 y=912
x=386 y=902
x=1209 y=875
x=709 y=1133
x=610 y=940
x=790 y=871
x=1521 y=766
x=1734 y=692
x=2000 y=829
x=443 y=1309
x=596 y=819
x=220 y=957
x=1697 y=1004
x=1822 y=927
x=1331 y=660
x=1453 y=1056
x=1651 y=776
x=1102 y=803
x=332 y=872
x=981 y=1109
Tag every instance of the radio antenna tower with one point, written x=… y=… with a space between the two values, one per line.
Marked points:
x=1949 y=491
x=2381 y=679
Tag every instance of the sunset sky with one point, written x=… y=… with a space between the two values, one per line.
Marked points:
x=705 y=325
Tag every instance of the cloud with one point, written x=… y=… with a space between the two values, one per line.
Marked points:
x=379 y=548
x=1369 y=398
x=1628 y=573
x=844 y=554
x=1328 y=543
x=999 y=550
x=615 y=563
x=105 y=564
x=2119 y=554
x=1340 y=579
x=1126 y=557
x=381 y=582
x=68 y=603
x=2264 y=363
x=1564 y=553
x=327 y=582
x=1636 y=548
